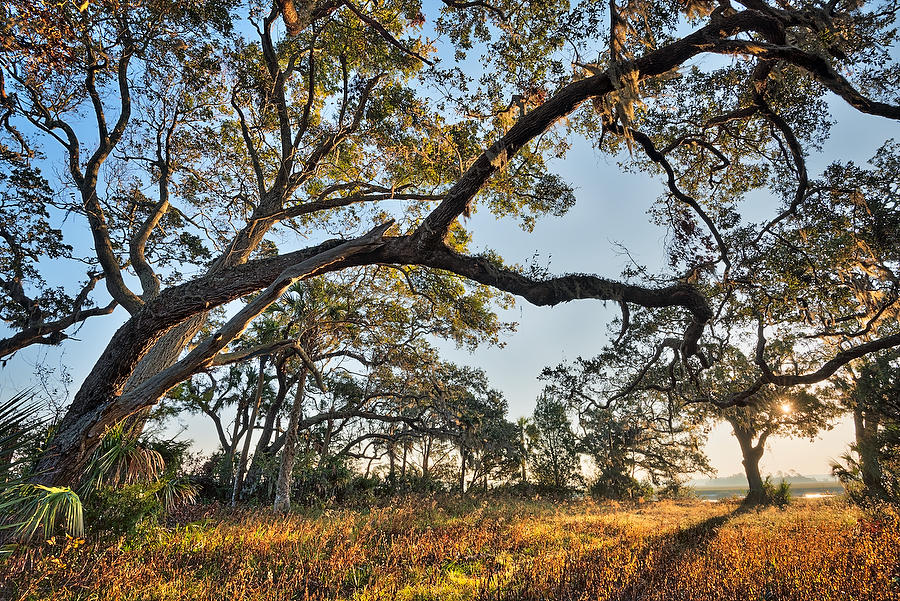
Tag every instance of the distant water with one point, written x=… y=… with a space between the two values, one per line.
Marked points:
x=807 y=490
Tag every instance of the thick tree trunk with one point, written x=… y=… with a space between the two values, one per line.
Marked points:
x=168 y=348
x=101 y=402
x=163 y=354
x=866 y=429
x=751 y=455
x=166 y=351
x=755 y=493
x=289 y=451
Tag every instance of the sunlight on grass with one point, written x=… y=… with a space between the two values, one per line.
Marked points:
x=463 y=549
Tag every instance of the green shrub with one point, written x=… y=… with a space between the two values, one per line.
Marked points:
x=620 y=487
x=849 y=473
x=778 y=495
x=676 y=491
x=119 y=510
x=412 y=482
x=321 y=481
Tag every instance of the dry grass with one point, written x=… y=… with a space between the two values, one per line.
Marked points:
x=426 y=548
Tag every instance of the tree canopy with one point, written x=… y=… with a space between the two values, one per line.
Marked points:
x=223 y=150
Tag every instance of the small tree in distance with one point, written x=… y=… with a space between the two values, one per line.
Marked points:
x=770 y=412
x=555 y=459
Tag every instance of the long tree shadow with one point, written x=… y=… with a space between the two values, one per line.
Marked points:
x=630 y=570
x=664 y=554
x=704 y=531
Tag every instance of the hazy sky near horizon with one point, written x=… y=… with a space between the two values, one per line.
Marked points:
x=611 y=213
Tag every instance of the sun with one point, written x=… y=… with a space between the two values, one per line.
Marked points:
x=786 y=408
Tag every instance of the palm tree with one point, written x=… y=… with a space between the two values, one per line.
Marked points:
x=25 y=508
x=528 y=434
x=123 y=458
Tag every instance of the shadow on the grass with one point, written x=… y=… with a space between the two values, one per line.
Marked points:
x=658 y=558
x=664 y=554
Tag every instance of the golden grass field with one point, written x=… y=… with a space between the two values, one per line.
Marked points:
x=445 y=548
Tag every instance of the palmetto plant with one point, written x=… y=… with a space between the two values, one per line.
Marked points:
x=848 y=470
x=25 y=508
x=176 y=491
x=33 y=508
x=17 y=421
x=28 y=510
x=121 y=459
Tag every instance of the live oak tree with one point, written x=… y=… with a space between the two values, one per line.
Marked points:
x=640 y=413
x=871 y=392
x=787 y=414
x=189 y=132
x=794 y=412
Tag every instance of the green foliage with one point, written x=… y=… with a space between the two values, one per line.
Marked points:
x=676 y=491
x=625 y=430
x=27 y=509
x=322 y=482
x=617 y=486
x=120 y=459
x=772 y=411
x=555 y=460
x=776 y=494
x=119 y=510
x=849 y=471
x=18 y=424
x=177 y=491
x=412 y=482
x=126 y=482
x=28 y=235
x=871 y=468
